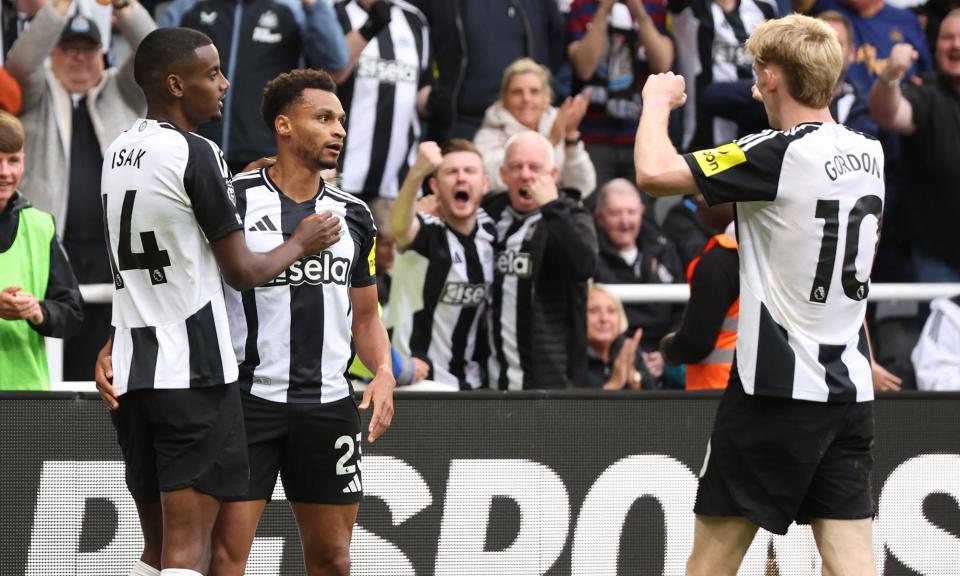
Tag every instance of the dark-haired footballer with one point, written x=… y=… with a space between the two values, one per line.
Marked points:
x=169 y=372
x=295 y=334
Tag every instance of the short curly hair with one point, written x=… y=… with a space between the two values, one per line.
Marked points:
x=288 y=87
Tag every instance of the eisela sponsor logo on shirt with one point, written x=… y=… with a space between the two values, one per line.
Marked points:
x=463 y=293
x=716 y=160
x=514 y=263
x=315 y=270
x=389 y=71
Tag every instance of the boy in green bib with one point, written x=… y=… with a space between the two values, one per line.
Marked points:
x=39 y=295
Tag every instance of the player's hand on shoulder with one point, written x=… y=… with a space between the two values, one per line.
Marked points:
x=380 y=393
x=428 y=159
x=317 y=232
x=666 y=88
x=264 y=162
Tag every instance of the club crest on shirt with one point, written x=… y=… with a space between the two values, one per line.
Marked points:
x=268 y=19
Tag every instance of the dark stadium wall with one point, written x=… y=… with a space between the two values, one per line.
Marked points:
x=485 y=484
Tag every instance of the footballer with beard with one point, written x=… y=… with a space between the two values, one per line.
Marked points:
x=293 y=337
x=443 y=273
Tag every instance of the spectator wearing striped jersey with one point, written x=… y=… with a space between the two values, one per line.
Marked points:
x=710 y=36
x=524 y=104
x=257 y=40
x=295 y=334
x=613 y=46
x=546 y=251
x=384 y=90
x=442 y=276
x=733 y=102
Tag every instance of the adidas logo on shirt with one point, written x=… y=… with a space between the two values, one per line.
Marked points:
x=354 y=486
x=264 y=224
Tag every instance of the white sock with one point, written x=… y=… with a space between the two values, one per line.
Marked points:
x=178 y=572
x=141 y=568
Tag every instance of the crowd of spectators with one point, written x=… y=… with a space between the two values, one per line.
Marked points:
x=548 y=91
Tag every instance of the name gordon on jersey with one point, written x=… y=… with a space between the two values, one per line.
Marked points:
x=324 y=268
x=847 y=163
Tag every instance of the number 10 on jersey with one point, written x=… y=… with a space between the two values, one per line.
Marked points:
x=152 y=259
x=829 y=212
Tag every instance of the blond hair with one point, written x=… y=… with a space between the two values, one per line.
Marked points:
x=527 y=66
x=622 y=323
x=807 y=52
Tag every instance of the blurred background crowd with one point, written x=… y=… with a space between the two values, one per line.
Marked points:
x=487 y=72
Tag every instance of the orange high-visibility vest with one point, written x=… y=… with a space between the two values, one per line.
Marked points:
x=713 y=371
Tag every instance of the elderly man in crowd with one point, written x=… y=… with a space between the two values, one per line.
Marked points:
x=546 y=250
x=634 y=251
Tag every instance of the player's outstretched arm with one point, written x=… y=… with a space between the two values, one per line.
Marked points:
x=403 y=219
x=661 y=171
x=373 y=347
x=243 y=269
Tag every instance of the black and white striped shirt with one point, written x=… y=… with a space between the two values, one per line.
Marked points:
x=438 y=297
x=166 y=194
x=511 y=307
x=380 y=98
x=292 y=335
x=712 y=43
x=809 y=203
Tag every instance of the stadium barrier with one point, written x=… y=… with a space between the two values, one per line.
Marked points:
x=629 y=293
x=502 y=484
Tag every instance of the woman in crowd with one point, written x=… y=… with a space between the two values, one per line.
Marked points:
x=524 y=104
x=614 y=359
